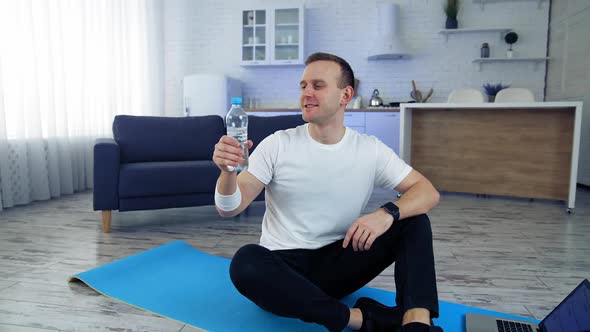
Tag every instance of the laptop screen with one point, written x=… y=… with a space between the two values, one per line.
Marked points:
x=572 y=314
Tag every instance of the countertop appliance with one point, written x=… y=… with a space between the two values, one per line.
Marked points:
x=392 y=105
x=209 y=94
x=375 y=99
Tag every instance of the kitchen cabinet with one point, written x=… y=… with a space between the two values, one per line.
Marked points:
x=355 y=121
x=273 y=36
x=384 y=126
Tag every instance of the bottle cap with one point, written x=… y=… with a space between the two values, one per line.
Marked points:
x=236 y=100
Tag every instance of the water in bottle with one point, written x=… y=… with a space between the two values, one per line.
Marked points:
x=236 y=122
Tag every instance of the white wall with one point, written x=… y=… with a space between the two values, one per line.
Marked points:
x=204 y=36
x=568 y=76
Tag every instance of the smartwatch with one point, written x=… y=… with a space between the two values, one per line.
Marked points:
x=392 y=209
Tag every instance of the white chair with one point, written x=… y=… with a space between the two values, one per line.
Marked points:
x=518 y=95
x=465 y=96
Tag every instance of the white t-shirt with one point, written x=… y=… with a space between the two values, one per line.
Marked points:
x=314 y=191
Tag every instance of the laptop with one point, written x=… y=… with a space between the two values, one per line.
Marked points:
x=571 y=315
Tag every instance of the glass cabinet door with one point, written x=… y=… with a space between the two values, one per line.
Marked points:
x=254 y=35
x=272 y=35
x=286 y=28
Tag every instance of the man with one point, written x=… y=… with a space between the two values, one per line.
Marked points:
x=315 y=246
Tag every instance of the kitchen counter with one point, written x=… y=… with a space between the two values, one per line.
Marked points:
x=525 y=150
x=376 y=109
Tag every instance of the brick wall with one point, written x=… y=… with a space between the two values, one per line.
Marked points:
x=204 y=36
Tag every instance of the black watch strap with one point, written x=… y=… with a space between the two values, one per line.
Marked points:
x=392 y=209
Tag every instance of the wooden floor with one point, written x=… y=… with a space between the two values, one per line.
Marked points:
x=511 y=255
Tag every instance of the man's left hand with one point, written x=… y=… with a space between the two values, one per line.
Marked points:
x=363 y=232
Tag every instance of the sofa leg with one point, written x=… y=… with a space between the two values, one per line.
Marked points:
x=106 y=221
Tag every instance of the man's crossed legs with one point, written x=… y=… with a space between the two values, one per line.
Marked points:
x=306 y=284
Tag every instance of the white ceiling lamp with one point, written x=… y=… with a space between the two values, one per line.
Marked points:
x=387 y=44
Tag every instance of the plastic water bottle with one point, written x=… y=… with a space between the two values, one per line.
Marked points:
x=236 y=121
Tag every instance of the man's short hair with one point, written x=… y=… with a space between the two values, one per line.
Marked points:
x=346 y=74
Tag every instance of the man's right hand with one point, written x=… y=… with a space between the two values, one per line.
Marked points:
x=229 y=153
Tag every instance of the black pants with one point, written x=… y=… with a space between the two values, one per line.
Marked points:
x=307 y=284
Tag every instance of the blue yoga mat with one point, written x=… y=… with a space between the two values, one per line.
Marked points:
x=192 y=287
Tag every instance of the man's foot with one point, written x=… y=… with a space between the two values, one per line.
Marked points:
x=377 y=316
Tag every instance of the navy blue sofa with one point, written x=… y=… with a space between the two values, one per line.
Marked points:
x=165 y=162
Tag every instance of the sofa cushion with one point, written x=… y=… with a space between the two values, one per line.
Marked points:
x=261 y=126
x=152 y=138
x=167 y=178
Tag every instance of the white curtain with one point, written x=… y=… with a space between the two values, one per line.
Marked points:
x=67 y=67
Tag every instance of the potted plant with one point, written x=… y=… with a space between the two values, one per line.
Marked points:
x=493 y=89
x=510 y=39
x=452 y=9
